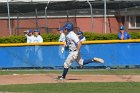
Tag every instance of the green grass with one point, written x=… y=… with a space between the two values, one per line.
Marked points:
x=104 y=87
x=129 y=87
x=81 y=71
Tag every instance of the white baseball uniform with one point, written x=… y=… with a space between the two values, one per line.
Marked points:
x=72 y=40
x=62 y=38
x=30 y=39
x=38 y=39
x=38 y=50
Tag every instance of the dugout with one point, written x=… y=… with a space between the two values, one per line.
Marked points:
x=99 y=16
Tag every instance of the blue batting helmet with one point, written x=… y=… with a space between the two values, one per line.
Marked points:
x=122 y=27
x=69 y=26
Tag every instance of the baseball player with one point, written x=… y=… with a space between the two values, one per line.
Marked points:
x=81 y=36
x=30 y=39
x=38 y=50
x=29 y=35
x=123 y=35
x=74 y=44
x=62 y=35
x=37 y=37
x=62 y=39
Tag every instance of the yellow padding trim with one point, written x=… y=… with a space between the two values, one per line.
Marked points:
x=60 y=43
x=32 y=44
x=110 y=41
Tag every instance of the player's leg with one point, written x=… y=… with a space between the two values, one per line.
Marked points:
x=67 y=64
x=83 y=62
x=79 y=60
x=95 y=59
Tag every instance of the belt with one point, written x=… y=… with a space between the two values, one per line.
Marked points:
x=72 y=50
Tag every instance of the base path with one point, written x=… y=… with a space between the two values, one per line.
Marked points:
x=50 y=78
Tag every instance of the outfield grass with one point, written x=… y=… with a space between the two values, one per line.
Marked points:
x=71 y=71
x=129 y=87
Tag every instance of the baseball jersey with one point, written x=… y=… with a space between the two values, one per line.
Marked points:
x=62 y=37
x=72 y=40
x=126 y=35
x=30 y=39
x=38 y=39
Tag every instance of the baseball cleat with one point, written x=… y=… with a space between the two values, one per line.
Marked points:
x=60 y=78
x=95 y=59
x=81 y=66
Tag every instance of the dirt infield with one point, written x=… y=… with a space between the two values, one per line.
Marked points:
x=50 y=78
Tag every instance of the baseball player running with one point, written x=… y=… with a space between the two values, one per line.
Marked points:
x=73 y=43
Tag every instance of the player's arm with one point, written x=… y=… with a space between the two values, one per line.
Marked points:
x=79 y=46
x=77 y=41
